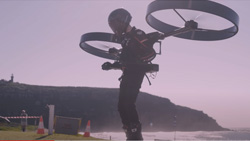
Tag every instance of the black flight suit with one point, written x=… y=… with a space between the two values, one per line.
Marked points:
x=131 y=80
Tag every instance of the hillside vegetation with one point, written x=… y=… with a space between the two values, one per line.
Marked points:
x=100 y=106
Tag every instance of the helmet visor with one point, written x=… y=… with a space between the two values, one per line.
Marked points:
x=118 y=27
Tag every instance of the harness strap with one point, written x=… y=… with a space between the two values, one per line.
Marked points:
x=120 y=78
x=148 y=79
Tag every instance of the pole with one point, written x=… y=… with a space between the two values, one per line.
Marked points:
x=51 y=118
x=175 y=124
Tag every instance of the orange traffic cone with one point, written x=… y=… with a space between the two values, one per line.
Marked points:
x=87 y=131
x=40 y=129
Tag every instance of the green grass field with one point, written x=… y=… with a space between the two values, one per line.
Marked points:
x=13 y=132
x=18 y=135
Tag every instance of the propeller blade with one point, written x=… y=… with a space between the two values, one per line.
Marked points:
x=180 y=15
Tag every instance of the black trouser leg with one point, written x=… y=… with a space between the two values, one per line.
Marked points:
x=126 y=105
x=129 y=89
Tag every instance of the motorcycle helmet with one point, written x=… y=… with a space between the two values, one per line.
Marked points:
x=119 y=20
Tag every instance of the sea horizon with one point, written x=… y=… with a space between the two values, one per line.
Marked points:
x=234 y=134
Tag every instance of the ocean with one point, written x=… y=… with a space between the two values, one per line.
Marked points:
x=235 y=134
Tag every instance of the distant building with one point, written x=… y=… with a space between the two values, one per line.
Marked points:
x=2 y=81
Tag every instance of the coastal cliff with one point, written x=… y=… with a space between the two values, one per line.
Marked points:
x=100 y=106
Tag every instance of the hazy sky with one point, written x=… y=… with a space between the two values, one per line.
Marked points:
x=40 y=45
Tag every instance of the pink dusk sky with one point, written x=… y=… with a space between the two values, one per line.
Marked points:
x=40 y=46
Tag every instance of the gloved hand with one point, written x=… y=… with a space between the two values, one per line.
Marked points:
x=113 y=50
x=162 y=36
x=156 y=36
x=116 y=65
x=106 y=66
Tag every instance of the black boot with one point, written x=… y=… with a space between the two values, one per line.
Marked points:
x=133 y=132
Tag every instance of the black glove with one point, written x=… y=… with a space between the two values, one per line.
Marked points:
x=155 y=36
x=106 y=66
x=113 y=50
x=162 y=36
x=116 y=65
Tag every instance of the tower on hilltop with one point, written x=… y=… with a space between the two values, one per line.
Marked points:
x=12 y=78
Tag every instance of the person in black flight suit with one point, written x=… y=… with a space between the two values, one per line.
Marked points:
x=137 y=52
